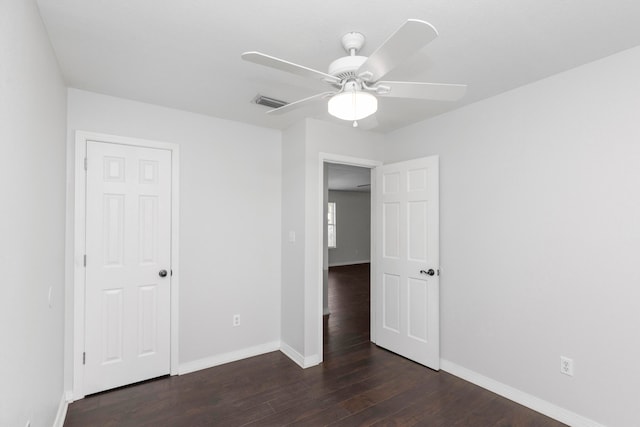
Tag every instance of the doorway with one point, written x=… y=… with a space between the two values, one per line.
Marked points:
x=405 y=256
x=346 y=255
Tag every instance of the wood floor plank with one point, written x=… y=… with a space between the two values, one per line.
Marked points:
x=358 y=384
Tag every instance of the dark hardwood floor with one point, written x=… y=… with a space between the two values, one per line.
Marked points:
x=358 y=384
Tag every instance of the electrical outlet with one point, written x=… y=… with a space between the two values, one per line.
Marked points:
x=566 y=366
x=236 y=320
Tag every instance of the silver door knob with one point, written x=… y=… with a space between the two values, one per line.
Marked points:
x=162 y=273
x=429 y=272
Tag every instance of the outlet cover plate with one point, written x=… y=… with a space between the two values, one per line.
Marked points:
x=566 y=366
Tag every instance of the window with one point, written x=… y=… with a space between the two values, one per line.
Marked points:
x=331 y=225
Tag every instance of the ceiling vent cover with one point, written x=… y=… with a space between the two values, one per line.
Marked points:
x=269 y=102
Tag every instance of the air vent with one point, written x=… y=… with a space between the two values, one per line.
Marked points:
x=269 y=102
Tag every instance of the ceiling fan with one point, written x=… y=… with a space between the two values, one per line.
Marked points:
x=356 y=80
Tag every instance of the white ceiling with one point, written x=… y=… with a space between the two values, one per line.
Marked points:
x=186 y=53
x=349 y=178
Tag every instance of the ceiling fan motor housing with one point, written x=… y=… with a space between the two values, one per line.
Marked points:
x=345 y=67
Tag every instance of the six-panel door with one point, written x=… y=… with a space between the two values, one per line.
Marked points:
x=128 y=243
x=407 y=311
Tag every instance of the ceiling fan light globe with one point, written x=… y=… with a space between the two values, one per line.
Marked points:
x=352 y=105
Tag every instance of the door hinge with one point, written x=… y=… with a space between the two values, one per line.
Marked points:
x=84 y=261
x=171 y=272
x=438 y=272
x=85 y=163
x=84 y=358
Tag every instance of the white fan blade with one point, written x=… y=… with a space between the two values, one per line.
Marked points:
x=290 y=67
x=412 y=36
x=301 y=103
x=419 y=90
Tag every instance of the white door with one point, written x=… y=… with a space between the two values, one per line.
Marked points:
x=128 y=265
x=407 y=283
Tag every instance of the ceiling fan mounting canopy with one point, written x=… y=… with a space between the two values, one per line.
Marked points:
x=355 y=79
x=353 y=41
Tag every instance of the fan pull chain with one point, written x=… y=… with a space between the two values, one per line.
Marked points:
x=354 y=106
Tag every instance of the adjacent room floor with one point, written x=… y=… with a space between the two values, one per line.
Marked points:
x=358 y=384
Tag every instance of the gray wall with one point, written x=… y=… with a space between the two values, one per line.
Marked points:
x=230 y=239
x=540 y=235
x=353 y=228
x=302 y=207
x=293 y=222
x=32 y=184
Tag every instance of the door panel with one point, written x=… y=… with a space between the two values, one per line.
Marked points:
x=128 y=242
x=417 y=298
x=148 y=320
x=391 y=230
x=417 y=216
x=391 y=302
x=408 y=300
x=111 y=325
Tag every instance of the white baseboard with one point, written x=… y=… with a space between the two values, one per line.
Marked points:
x=62 y=410
x=210 y=362
x=340 y=264
x=292 y=354
x=300 y=360
x=531 y=402
x=311 y=361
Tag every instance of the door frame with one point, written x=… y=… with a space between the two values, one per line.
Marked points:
x=351 y=161
x=79 y=236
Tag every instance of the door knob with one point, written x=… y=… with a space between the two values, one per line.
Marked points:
x=429 y=272
x=162 y=273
